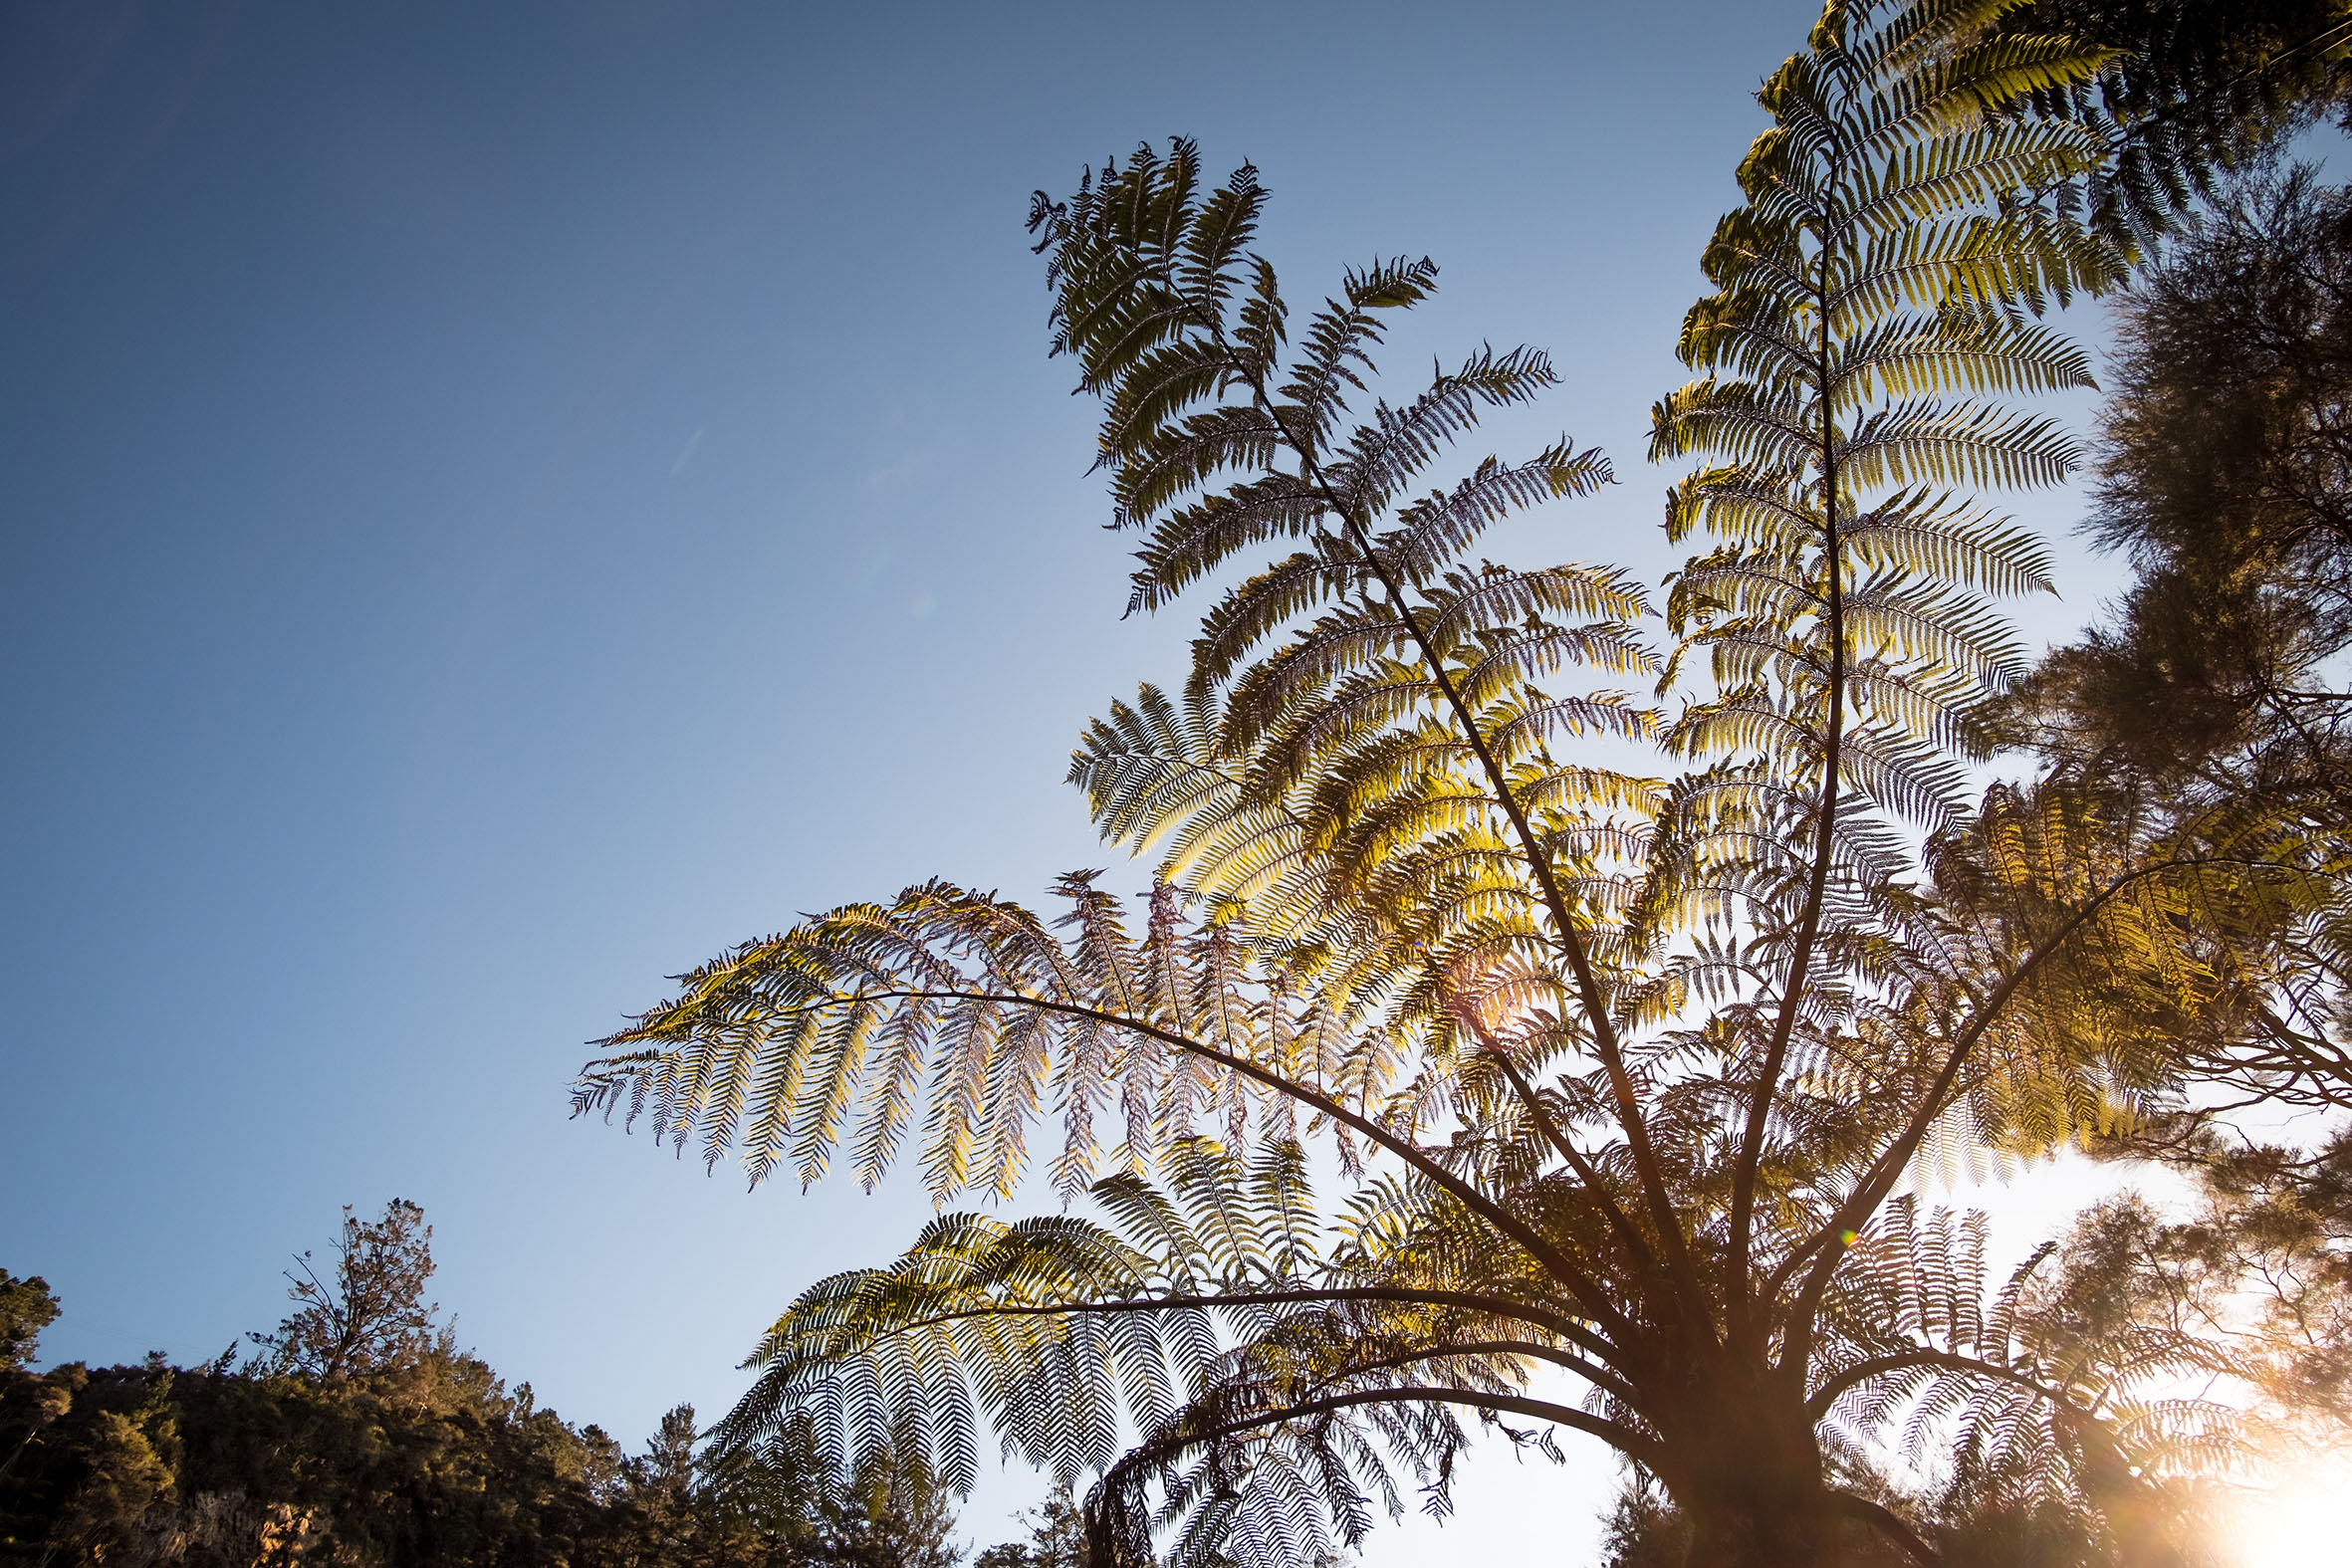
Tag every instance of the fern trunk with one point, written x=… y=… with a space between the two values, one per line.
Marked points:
x=1746 y=1471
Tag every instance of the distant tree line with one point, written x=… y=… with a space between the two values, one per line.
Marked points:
x=357 y=1433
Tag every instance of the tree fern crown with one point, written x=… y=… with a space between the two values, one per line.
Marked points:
x=1608 y=1029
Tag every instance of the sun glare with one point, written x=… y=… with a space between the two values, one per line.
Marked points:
x=2299 y=1525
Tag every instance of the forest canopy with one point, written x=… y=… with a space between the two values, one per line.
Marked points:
x=356 y=1432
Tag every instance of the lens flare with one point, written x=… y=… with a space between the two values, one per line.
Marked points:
x=2298 y=1523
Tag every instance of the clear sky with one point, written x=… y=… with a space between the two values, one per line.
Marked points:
x=498 y=503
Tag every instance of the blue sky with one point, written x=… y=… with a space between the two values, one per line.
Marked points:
x=502 y=502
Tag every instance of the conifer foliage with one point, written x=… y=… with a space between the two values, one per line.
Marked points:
x=1616 y=1066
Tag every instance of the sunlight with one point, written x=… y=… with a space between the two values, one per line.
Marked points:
x=2299 y=1522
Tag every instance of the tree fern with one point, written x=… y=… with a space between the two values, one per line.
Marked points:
x=1617 y=1070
